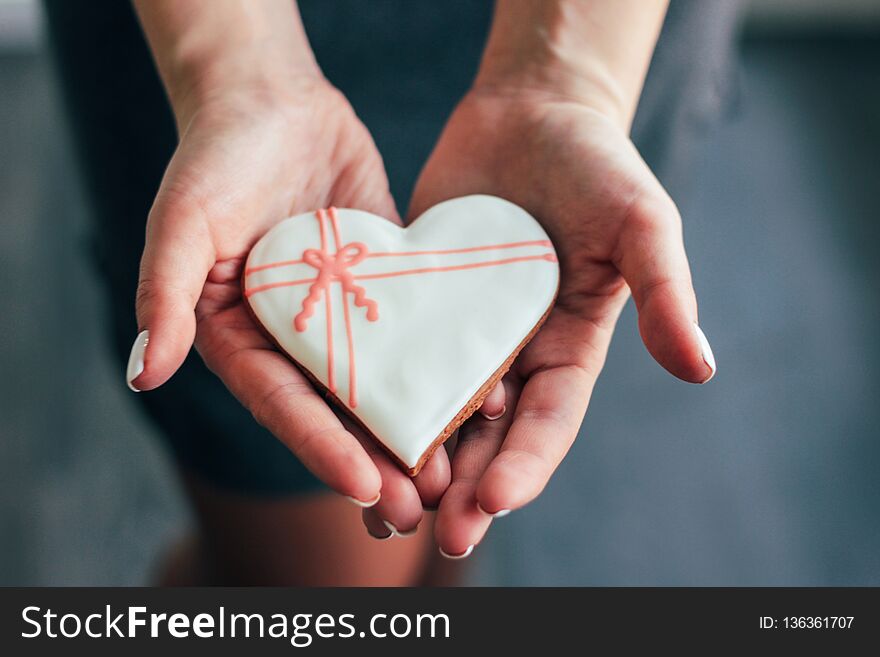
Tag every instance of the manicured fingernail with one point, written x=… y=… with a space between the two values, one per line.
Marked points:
x=708 y=356
x=464 y=554
x=136 y=359
x=500 y=513
x=362 y=504
x=494 y=417
x=400 y=534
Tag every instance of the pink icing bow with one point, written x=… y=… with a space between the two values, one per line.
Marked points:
x=335 y=267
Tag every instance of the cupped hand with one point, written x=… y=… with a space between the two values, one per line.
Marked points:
x=247 y=159
x=616 y=232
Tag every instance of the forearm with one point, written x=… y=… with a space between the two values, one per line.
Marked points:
x=203 y=47
x=597 y=51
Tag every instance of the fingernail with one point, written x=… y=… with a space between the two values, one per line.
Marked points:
x=494 y=417
x=400 y=534
x=708 y=356
x=464 y=554
x=362 y=504
x=500 y=513
x=136 y=359
x=380 y=538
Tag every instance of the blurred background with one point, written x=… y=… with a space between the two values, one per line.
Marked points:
x=767 y=476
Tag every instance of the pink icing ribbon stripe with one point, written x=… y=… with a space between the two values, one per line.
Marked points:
x=397 y=254
x=335 y=267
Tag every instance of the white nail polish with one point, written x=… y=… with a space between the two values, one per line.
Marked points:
x=136 y=358
x=500 y=513
x=708 y=356
x=494 y=417
x=464 y=554
x=362 y=504
x=397 y=533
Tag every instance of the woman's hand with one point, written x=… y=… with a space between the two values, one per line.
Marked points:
x=263 y=136
x=249 y=157
x=616 y=231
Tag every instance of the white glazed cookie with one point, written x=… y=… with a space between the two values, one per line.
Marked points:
x=407 y=328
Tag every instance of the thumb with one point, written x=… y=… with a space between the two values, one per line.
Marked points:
x=651 y=257
x=178 y=255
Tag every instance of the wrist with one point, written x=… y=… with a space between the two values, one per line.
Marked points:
x=592 y=52
x=552 y=81
x=206 y=49
x=259 y=76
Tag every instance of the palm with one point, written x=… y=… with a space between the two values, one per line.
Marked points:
x=276 y=177
x=571 y=170
x=240 y=169
x=580 y=176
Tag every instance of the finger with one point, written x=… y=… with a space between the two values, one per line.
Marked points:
x=461 y=522
x=400 y=506
x=177 y=258
x=433 y=479
x=652 y=259
x=284 y=402
x=397 y=505
x=559 y=368
x=548 y=415
x=493 y=406
x=375 y=525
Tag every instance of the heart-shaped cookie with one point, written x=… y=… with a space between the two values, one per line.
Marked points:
x=407 y=328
